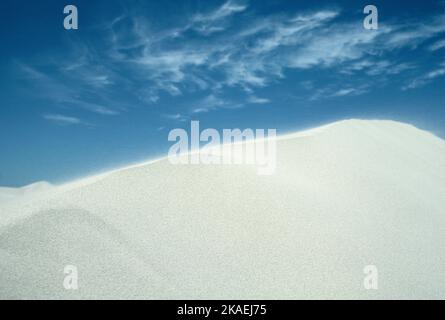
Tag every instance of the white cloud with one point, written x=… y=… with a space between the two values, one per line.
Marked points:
x=214 y=21
x=426 y=78
x=63 y=120
x=73 y=85
x=169 y=66
x=333 y=46
x=333 y=92
x=93 y=107
x=175 y=117
x=247 y=54
x=260 y=50
x=376 y=67
x=257 y=100
x=227 y=9
x=213 y=102
x=292 y=31
x=29 y=72
x=437 y=45
x=349 y=92
x=414 y=34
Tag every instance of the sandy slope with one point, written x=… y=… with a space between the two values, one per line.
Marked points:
x=12 y=194
x=351 y=194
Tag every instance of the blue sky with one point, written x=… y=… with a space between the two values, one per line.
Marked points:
x=75 y=102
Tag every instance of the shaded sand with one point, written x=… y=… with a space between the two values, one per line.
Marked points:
x=344 y=196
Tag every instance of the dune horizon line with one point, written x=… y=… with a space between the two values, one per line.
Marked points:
x=287 y=135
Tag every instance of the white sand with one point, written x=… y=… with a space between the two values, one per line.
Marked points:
x=14 y=194
x=351 y=194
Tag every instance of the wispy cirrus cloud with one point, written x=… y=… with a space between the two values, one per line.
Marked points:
x=415 y=33
x=215 y=21
x=334 y=92
x=175 y=117
x=257 y=100
x=437 y=45
x=214 y=102
x=271 y=45
x=426 y=78
x=169 y=65
x=375 y=67
x=63 y=120
x=77 y=85
x=211 y=53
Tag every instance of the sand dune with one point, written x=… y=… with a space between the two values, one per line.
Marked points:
x=350 y=194
x=12 y=194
